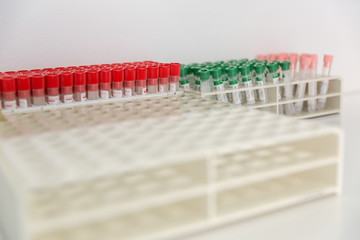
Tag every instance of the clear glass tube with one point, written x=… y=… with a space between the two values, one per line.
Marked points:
x=219 y=87
x=300 y=90
x=53 y=96
x=197 y=86
x=163 y=85
x=234 y=97
x=274 y=78
x=79 y=93
x=93 y=91
x=312 y=91
x=38 y=97
x=24 y=99
x=324 y=85
x=117 y=89
x=288 y=92
x=249 y=94
x=129 y=88
x=9 y=100
x=153 y=85
x=67 y=94
x=262 y=92
x=185 y=84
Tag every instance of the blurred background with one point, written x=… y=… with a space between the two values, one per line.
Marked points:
x=41 y=33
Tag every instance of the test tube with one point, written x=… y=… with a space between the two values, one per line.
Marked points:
x=184 y=82
x=153 y=79
x=52 y=81
x=8 y=87
x=164 y=74
x=175 y=70
x=312 y=86
x=129 y=76
x=218 y=84
x=233 y=97
x=117 y=82
x=141 y=77
x=293 y=62
x=194 y=78
x=105 y=83
x=204 y=75
x=38 y=90
x=23 y=91
x=246 y=80
x=66 y=87
x=273 y=77
x=260 y=81
x=301 y=87
x=328 y=59
x=289 y=107
x=92 y=84
x=79 y=86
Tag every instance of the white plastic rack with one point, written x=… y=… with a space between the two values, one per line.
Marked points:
x=333 y=103
x=156 y=168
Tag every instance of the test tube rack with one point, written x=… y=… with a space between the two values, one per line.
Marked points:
x=333 y=96
x=156 y=168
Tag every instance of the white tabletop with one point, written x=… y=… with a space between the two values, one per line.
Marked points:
x=331 y=218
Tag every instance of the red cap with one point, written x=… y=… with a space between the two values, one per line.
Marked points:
x=66 y=79
x=175 y=69
x=52 y=80
x=92 y=76
x=105 y=65
x=79 y=78
x=8 y=84
x=23 y=83
x=47 y=69
x=37 y=81
x=118 y=74
x=153 y=72
x=130 y=74
x=105 y=75
x=164 y=71
x=141 y=73
x=23 y=72
x=10 y=73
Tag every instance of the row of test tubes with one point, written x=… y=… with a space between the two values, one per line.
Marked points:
x=53 y=86
x=273 y=69
x=307 y=70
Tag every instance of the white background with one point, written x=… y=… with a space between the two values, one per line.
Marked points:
x=53 y=33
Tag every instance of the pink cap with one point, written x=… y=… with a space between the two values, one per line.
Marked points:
x=273 y=57
x=262 y=57
x=283 y=57
x=314 y=61
x=293 y=60
x=328 y=60
x=305 y=62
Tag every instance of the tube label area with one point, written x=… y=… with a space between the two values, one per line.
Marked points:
x=83 y=97
x=128 y=92
x=172 y=87
x=161 y=88
x=117 y=93
x=68 y=98
x=23 y=103
x=53 y=100
x=9 y=105
x=104 y=94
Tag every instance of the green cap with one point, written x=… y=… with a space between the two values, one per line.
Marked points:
x=184 y=70
x=285 y=65
x=245 y=69
x=273 y=67
x=259 y=68
x=204 y=74
x=231 y=71
x=233 y=82
x=219 y=62
x=195 y=70
x=243 y=60
x=216 y=73
x=217 y=83
x=264 y=61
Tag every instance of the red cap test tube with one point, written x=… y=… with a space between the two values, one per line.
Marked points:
x=130 y=74
x=79 y=86
x=66 y=87
x=164 y=74
x=38 y=89
x=141 y=77
x=105 y=83
x=8 y=88
x=153 y=79
x=117 y=82
x=175 y=69
x=23 y=91
x=92 y=81
x=53 y=88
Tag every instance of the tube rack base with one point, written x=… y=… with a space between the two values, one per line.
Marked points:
x=156 y=168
